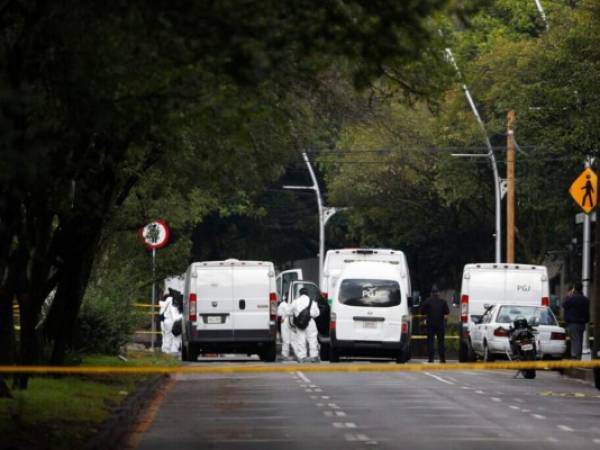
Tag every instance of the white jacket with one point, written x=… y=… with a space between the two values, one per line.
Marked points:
x=302 y=302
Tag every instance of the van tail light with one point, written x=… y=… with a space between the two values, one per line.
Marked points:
x=332 y=321
x=324 y=296
x=501 y=332
x=404 y=329
x=557 y=336
x=545 y=301
x=192 y=304
x=273 y=305
x=464 y=308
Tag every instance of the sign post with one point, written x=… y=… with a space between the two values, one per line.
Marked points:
x=154 y=235
x=584 y=191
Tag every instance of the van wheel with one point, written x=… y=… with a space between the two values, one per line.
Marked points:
x=487 y=356
x=403 y=356
x=465 y=353
x=189 y=352
x=334 y=355
x=269 y=354
x=324 y=352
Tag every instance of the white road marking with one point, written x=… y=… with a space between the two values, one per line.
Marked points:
x=308 y=390
x=318 y=390
x=325 y=397
x=439 y=378
x=304 y=377
x=596 y=441
x=313 y=386
x=320 y=405
x=333 y=406
x=337 y=425
x=496 y=399
x=565 y=428
x=538 y=416
x=479 y=392
x=362 y=437
x=328 y=413
x=350 y=425
x=514 y=407
x=552 y=439
x=340 y=413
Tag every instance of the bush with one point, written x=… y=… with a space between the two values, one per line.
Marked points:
x=105 y=324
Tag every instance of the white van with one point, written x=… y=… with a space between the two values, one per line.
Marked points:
x=488 y=284
x=229 y=306
x=370 y=306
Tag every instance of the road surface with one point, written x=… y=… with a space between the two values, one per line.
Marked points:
x=414 y=410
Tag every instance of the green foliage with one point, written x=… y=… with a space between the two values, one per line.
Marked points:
x=106 y=322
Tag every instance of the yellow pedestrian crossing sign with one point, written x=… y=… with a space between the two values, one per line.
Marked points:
x=584 y=190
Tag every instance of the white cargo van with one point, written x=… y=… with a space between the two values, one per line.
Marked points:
x=229 y=306
x=487 y=284
x=370 y=300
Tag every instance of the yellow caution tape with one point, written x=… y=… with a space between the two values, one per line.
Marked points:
x=283 y=368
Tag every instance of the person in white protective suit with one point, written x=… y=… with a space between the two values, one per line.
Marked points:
x=166 y=323
x=176 y=315
x=301 y=337
x=284 y=310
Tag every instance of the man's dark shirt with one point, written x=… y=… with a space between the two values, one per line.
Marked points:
x=435 y=308
x=577 y=308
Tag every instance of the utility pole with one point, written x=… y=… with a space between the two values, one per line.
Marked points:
x=325 y=212
x=595 y=304
x=510 y=191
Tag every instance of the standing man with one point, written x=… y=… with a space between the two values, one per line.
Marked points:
x=435 y=310
x=576 y=314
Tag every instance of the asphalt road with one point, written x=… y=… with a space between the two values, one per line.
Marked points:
x=416 y=410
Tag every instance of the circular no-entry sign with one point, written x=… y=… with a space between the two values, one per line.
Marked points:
x=155 y=234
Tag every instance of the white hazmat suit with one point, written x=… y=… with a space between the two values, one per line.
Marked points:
x=300 y=337
x=284 y=310
x=170 y=343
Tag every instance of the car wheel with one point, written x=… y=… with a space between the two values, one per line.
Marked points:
x=487 y=356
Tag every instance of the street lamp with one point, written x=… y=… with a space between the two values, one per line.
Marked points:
x=325 y=212
x=490 y=155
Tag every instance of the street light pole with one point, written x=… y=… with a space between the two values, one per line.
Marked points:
x=490 y=155
x=325 y=212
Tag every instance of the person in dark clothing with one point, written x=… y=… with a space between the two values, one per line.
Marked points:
x=435 y=310
x=576 y=309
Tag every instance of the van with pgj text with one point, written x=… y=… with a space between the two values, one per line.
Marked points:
x=487 y=284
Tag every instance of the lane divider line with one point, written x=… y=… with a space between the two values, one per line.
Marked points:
x=443 y=380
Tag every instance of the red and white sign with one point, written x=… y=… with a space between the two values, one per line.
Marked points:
x=156 y=234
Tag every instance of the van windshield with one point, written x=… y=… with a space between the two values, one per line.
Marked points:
x=372 y=293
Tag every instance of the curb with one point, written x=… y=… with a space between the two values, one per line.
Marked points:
x=114 y=430
x=586 y=375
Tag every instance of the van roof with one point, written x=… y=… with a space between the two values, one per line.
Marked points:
x=365 y=251
x=504 y=266
x=232 y=262
x=370 y=269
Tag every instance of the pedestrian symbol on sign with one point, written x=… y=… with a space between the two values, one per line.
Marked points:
x=584 y=190
x=155 y=234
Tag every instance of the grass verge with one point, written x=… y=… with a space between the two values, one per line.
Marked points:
x=57 y=413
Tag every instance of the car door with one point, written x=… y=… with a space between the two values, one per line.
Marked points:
x=479 y=331
x=283 y=281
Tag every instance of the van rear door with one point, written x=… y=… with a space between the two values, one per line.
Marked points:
x=251 y=291
x=214 y=298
